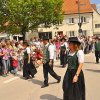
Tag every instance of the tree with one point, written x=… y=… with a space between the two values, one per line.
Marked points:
x=3 y=15
x=52 y=12
x=25 y=15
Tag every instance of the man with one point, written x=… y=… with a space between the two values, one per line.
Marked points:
x=48 y=59
x=97 y=49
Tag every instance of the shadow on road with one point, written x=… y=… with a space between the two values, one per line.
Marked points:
x=35 y=81
x=92 y=70
x=38 y=82
x=49 y=97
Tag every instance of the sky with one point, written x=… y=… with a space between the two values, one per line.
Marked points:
x=98 y=4
x=95 y=1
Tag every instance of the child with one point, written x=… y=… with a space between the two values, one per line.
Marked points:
x=20 y=60
x=14 y=63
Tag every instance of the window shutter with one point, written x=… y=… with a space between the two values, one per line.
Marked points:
x=75 y=33
x=76 y=20
x=67 y=20
x=87 y=19
x=67 y=33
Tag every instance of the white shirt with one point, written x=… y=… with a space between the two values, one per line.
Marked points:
x=51 y=50
x=80 y=55
x=37 y=44
x=28 y=50
x=66 y=44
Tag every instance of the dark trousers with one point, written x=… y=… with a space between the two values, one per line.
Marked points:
x=97 y=55
x=1 y=68
x=49 y=69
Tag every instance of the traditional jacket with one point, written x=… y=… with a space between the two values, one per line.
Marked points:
x=46 y=56
x=97 y=46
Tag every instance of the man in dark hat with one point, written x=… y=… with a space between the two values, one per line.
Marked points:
x=97 y=49
x=48 y=60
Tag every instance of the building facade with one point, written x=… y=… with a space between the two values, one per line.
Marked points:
x=69 y=26
x=96 y=21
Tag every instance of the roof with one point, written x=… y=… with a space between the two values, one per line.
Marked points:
x=94 y=7
x=71 y=6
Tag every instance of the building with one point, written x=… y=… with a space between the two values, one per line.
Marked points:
x=69 y=27
x=96 y=21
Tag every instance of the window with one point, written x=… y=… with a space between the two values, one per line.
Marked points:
x=71 y=20
x=72 y=33
x=97 y=25
x=85 y=19
x=84 y=33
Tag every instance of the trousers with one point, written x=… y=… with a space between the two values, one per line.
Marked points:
x=49 y=69
x=97 y=55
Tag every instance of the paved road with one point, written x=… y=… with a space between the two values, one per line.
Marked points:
x=15 y=88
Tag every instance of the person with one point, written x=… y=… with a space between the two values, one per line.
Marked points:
x=20 y=59
x=48 y=60
x=28 y=67
x=57 y=49
x=14 y=56
x=1 y=55
x=5 y=60
x=73 y=83
x=97 y=49
x=63 y=53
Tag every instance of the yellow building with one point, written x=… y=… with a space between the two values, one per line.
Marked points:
x=96 y=21
x=69 y=27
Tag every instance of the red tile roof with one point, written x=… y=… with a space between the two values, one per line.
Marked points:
x=94 y=7
x=71 y=6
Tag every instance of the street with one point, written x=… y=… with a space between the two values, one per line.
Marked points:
x=16 y=88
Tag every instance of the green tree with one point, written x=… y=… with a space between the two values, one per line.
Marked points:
x=3 y=14
x=25 y=15
x=52 y=12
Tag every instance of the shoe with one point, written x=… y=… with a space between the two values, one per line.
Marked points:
x=59 y=79
x=32 y=77
x=43 y=86
x=26 y=78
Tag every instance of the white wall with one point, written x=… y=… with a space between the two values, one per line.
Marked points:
x=66 y=28
x=96 y=20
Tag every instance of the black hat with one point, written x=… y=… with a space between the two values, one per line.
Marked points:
x=74 y=40
x=63 y=39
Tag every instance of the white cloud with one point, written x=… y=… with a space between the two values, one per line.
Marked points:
x=98 y=7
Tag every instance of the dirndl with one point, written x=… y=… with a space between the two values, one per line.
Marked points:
x=29 y=69
x=73 y=91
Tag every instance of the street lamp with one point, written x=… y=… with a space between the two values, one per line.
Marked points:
x=80 y=18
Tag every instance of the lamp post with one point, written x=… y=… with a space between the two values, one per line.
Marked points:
x=80 y=18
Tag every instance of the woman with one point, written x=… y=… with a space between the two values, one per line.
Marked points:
x=28 y=68
x=5 y=60
x=73 y=84
x=57 y=48
x=63 y=52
